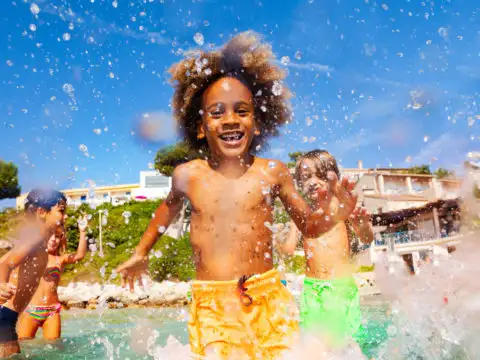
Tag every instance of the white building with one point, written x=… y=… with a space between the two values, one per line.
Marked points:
x=153 y=185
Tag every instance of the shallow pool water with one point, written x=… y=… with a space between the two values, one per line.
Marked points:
x=123 y=333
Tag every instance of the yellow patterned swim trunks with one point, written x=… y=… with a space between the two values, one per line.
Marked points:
x=253 y=318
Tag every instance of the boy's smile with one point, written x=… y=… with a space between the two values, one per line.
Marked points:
x=228 y=120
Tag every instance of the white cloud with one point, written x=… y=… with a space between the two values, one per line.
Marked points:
x=310 y=66
x=448 y=148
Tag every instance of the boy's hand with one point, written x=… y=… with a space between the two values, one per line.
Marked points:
x=7 y=291
x=133 y=268
x=360 y=216
x=343 y=192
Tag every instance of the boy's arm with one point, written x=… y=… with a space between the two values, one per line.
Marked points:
x=11 y=260
x=166 y=212
x=362 y=225
x=82 y=245
x=315 y=223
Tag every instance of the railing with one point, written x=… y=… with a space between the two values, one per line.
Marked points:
x=405 y=237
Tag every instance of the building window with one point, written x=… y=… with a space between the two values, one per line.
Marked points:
x=105 y=196
x=83 y=198
x=129 y=193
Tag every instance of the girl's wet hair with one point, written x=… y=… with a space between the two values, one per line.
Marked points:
x=43 y=199
x=323 y=160
x=246 y=58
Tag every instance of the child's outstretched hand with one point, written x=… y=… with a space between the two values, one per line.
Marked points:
x=82 y=223
x=7 y=291
x=343 y=192
x=133 y=269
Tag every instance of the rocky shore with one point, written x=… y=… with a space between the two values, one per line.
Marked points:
x=165 y=294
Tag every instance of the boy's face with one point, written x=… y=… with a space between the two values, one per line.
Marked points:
x=56 y=215
x=228 y=120
x=310 y=181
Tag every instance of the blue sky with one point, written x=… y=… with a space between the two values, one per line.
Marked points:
x=393 y=83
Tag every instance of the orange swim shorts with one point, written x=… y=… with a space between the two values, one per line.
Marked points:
x=253 y=318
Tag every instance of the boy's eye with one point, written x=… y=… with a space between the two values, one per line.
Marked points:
x=242 y=112
x=216 y=113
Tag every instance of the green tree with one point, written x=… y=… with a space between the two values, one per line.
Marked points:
x=8 y=181
x=441 y=173
x=170 y=157
x=476 y=191
x=419 y=169
x=294 y=157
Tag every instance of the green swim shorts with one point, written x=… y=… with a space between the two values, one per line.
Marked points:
x=331 y=308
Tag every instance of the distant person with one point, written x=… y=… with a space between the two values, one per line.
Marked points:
x=23 y=266
x=330 y=304
x=228 y=102
x=44 y=308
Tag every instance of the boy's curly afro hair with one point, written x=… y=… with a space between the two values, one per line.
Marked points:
x=244 y=57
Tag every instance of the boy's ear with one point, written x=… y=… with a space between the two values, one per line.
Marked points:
x=200 y=131
x=41 y=213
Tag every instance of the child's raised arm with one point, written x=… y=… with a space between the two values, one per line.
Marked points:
x=315 y=223
x=82 y=244
x=166 y=212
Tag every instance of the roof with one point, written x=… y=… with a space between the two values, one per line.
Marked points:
x=393 y=217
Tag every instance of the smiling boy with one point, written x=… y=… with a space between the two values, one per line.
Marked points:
x=228 y=103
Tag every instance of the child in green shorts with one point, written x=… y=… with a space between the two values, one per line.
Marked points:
x=330 y=305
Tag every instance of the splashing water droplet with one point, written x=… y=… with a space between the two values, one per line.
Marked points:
x=277 y=88
x=97 y=131
x=68 y=88
x=267 y=256
x=266 y=190
x=115 y=3
x=298 y=55
x=426 y=138
x=162 y=229
x=272 y=164
x=126 y=216
x=198 y=38
x=33 y=27
x=385 y=7
x=285 y=60
x=443 y=31
x=158 y=254
x=66 y=37
x=258 y=147
x=111 y=75
x=83 y=148
x=89 y=217
x=82 y=223
x=9 y=63
x=263 y=108
x=34 y=9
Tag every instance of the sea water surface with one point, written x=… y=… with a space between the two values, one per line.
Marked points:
x=134 y=333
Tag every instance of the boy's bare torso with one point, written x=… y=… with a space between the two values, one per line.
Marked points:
x=228 y=232
x=328 y=256
x=26 y=278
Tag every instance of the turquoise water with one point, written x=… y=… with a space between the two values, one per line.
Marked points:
x=108 y=335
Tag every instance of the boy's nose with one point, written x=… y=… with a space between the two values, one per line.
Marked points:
x=230 y=125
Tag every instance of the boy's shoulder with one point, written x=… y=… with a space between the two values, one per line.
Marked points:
x=272 y=167
x=190 y=169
